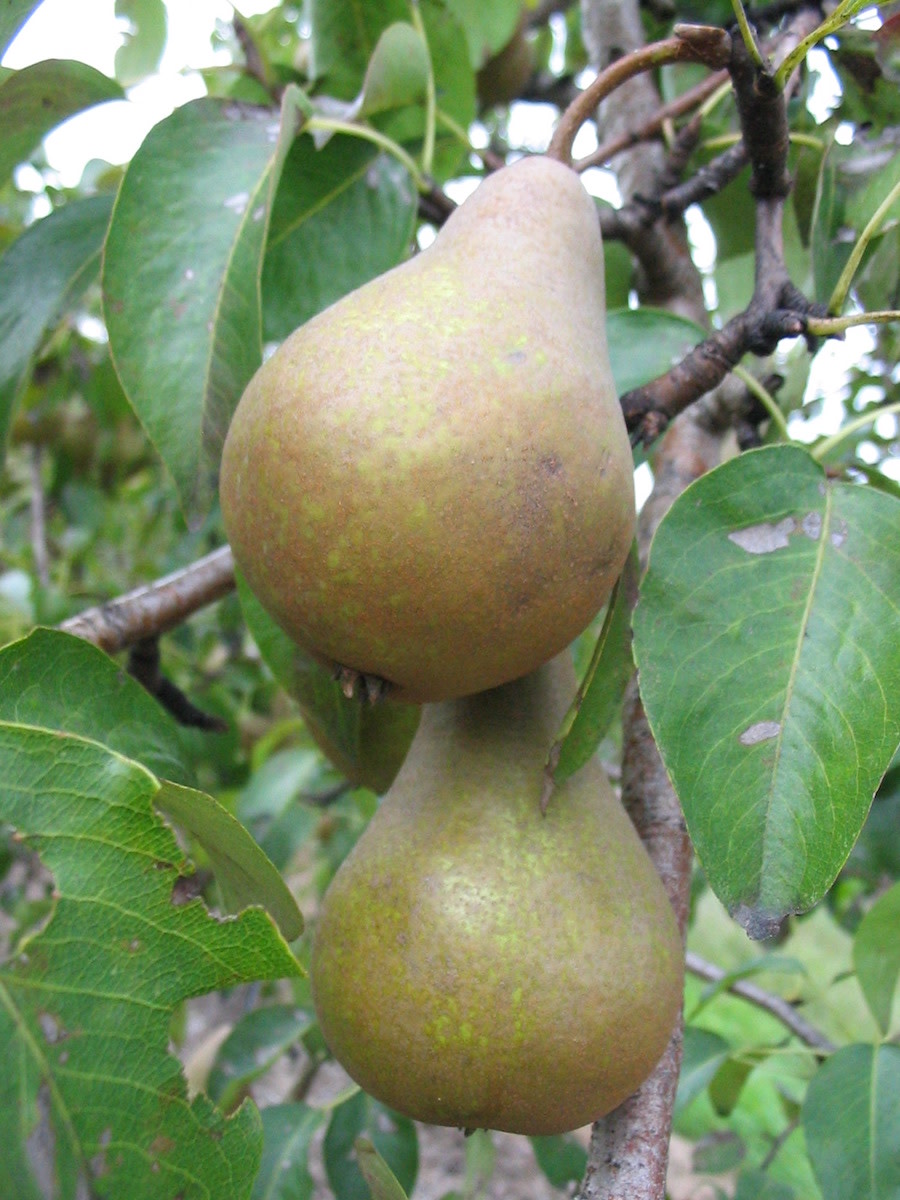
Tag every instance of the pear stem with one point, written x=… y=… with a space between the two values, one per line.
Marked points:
x=430 y=92
x=691 y=43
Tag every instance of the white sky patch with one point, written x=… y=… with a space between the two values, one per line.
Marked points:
x=90 y=32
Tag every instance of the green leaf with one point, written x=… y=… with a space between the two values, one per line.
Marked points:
x=392 y=1135
x=830 y=249
x=256 y=1042
x=646 y=342
x=139 y=54
x=242 y=870
x=367 y=743
x=181 y=277
x=343 y=36
x=757 y=1185
x=851 y=1121
x=85 y=1006
x=380 y=1179
x=397 y=72
x=287 y=1132
x=704 y=1053
x=722 y=1150
x=726 y=1085
x=13 y=15
x=599 y=694
x=52 y=680
x=342 y=215
x=765 y=638
x=38 y=98
x=42 y=275
x=876 y=955
x=561 y=1159
x=488 y=27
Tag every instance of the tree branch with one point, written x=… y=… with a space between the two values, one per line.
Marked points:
x=155 y=607
x=776 y=1005
x=777 y=308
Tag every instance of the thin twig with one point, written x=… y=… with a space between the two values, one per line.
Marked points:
x=692 y=43
x=776 y=1005
x=156 y=607
x=667 y=112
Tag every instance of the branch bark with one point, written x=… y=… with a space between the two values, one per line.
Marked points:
x=156 y=607
x=629 y=1148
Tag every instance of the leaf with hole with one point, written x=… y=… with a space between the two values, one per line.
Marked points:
x=765 y=638
x=87 y=1002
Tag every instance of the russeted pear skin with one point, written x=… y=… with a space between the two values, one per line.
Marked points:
x=431 y=480
x=478 y=964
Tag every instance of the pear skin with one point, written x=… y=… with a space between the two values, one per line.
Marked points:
x=431 y=482
x=476 y=963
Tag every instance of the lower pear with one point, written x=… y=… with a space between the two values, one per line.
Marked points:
x=480 y=964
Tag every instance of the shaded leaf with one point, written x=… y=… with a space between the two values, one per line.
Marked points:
x=42 y=275
x=287 y=1132
x=876 y=955
x=181 y=277
x=13 y=15
x=342 y=215
x=770 y=672
x=367 y=743
x=256 y=1042
x=343 y=36
x=488 y=27
x=726 y=1085
x=243 y=872
x=560 y=1158
x=757 y=1185
x=397 y=71
x=599 y=694
x=139 y=54
x=86 y=1005
x=704 y=1053
x=38 y=98
x=851 y=1121
x=380 y=1179
x=719 y=1151
x=393 y=1136
x=646 y=342
x=52 y=680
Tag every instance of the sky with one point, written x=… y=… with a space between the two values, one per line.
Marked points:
x=90 y=32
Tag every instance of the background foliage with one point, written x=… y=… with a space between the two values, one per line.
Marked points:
x=134 y=306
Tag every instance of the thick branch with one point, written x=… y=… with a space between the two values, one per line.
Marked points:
x=155 y=607
x=776 y=1005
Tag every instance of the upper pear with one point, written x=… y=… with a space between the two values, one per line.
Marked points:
x=431 y=481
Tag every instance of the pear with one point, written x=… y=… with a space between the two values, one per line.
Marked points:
x=504 y=76
x=430 y=482
x=479 y=964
